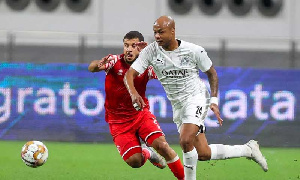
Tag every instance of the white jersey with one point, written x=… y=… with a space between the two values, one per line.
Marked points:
x=177 y=70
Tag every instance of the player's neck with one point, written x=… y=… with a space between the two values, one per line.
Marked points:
x=129 y=62
x=172 y=46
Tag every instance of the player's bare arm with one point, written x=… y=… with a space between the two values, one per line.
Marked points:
x=99 y=65
x=137 y=100
x=213 y=82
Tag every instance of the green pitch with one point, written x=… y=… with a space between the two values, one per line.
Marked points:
x=102 y=162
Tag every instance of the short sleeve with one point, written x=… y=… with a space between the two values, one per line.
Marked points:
x=142 y=62
x=203 y=61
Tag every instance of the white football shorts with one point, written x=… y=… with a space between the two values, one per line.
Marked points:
x=193 y=110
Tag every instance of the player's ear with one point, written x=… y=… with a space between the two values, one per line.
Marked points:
x=173 y=31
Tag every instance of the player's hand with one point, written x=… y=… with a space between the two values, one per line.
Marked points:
x=215 y=109
x=137 y=102
x=105 y=60
x=141 y=45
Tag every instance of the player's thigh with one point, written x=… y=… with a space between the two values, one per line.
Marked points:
x=128 y=144
x=193 y=114
x=193 y=111
x=150 y=129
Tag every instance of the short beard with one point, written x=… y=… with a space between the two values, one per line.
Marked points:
x=130 y=62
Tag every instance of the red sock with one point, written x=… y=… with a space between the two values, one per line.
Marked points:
x=177 y=168
x=146 y=155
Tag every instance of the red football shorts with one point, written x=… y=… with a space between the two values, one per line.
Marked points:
x=126 y=136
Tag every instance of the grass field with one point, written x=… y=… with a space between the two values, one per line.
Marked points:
x=102 y=161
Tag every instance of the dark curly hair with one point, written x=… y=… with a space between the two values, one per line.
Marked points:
x=133 y=35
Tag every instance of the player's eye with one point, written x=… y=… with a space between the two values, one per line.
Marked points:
x=159 y=32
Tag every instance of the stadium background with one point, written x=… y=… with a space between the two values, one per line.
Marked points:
x=47 y=93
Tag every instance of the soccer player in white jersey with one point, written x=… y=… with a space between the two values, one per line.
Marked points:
x=176 y=64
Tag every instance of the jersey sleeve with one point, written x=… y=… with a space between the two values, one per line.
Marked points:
x=111 y=63
x=142 y=62
x=203 y=61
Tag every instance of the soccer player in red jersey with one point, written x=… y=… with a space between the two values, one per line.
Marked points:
x=127 y=125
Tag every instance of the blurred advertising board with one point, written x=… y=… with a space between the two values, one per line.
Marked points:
x=65 y=102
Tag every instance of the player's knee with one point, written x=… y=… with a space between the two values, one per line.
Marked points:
x=203 y=157
x=134 y=161
x=204 y=154
x=162 y=147
x=186 y=143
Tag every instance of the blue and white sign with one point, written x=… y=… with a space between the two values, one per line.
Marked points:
x=65 y=102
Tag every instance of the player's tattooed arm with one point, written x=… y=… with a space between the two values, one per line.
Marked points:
x=99 y=65
x=213 y=82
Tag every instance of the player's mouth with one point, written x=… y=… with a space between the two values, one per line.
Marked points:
x=159 y=42
x=129 y=56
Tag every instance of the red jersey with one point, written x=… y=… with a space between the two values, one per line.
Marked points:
x=118 y=104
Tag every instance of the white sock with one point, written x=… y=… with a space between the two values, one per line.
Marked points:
x=220 y=151
x=190 y=164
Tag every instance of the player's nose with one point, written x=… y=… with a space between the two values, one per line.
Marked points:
x=156 y=36
x=129 y=49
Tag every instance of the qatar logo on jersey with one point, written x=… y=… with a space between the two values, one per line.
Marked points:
x=175 y=73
